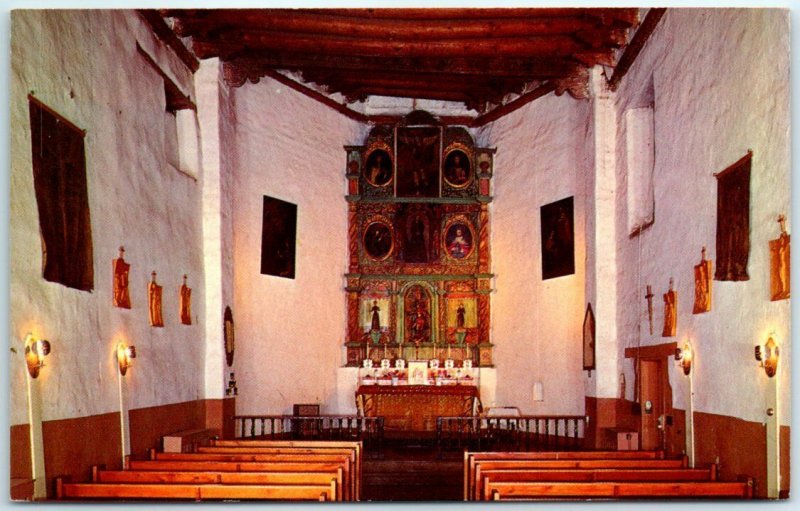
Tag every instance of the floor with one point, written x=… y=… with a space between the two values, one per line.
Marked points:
x=413 y=472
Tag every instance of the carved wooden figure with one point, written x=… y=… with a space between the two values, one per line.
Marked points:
x=154 y=297
x=122 y=297
x=649 y=298
x=186 y=303
x=779 y=250
x=702 y=285
x=670 y=312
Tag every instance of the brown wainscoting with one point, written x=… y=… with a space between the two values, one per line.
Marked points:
x=785 y=452
x=20 y=451
x=741 y=447
x=149 y=424
x=72 y=446
x=21 y=468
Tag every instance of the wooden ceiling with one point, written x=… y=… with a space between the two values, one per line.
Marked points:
x=481 y=57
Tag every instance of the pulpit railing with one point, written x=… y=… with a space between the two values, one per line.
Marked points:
x=512 y=433
x=368 y=430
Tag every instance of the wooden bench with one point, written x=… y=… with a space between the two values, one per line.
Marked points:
x=187 y=441
x=218 y=477
x=172 y=491
x=618 y=490
x=593 y=475
x=347 y=457
x=472 y=459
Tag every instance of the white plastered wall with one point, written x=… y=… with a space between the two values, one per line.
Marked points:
x=84 y=64
x=721 y=87
x=290 y=332
x=542 y=155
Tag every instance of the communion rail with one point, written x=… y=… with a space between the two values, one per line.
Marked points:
x=511 y=433
x=369 y=430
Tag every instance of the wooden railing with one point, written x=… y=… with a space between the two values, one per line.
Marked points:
x=511 y=433
x=368 y=430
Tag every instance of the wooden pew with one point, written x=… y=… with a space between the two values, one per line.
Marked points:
x=347 y=457
x=619 y=490
x=188 y=440
x=471 y=459
x=593 y=475
x=172 y=491
x=218 y=477
x=316 y=444
x=567 y=464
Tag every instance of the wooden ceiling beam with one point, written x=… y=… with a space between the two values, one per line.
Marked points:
x=606 y=15
x=427 y=93
x=538 y=46
x=444 y=82
x=295 y=21
x=458 y=66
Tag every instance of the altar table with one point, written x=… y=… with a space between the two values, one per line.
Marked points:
x=414 y=408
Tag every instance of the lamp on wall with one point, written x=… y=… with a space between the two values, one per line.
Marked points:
x=684 y=356
x=125 y=356
x=35 y=351
x=768 y=355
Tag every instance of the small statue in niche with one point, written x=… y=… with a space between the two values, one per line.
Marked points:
x=154 y=300
x=186 y=303
x=122 y=297
x=376 y=318
x=702 y=285
x=460 y=312
x=779 y=250
x=670 y=312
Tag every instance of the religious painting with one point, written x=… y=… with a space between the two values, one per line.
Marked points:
x=702 y=285
x=462 y=312
x=779 y=284
x=417 y=372
x=375 y=313
x=588 y=339
x=378 y=171
x=122 y=297
x=416 y=223
x=558 y=242
x=417 y=306
x=457 y=168
x=670 y=312
x=154 y=292
x=185 y=301
x=278 y=232
x=733 y=220
x=418 y=161
x=378 y=240
x=458 y=239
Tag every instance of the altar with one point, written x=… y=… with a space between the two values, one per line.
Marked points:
x=414 y=408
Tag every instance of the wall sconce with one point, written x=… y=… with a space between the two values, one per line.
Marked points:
x=768 y=355
x=684 y=357
x=125 y=356
x=35 y=351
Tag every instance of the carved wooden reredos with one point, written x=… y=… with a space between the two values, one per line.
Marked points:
x=419 y=276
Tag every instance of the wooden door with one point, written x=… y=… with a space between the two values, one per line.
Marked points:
x=652 y=400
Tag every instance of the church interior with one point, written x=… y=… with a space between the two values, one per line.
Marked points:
x=434 y=234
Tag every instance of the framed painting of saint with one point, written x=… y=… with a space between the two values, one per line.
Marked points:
x=378 y=170
x=457 y=169
x=378 y=240
x=558 y=242
x=733 y=220
x=458 y=239
x=278 y=232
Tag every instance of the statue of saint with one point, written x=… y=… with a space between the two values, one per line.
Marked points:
x=376 y=319
x=186 y=303
x=154 y=295
x=122 y=296
x=460 y=316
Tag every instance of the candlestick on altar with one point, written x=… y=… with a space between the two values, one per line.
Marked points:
x=448 y=350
